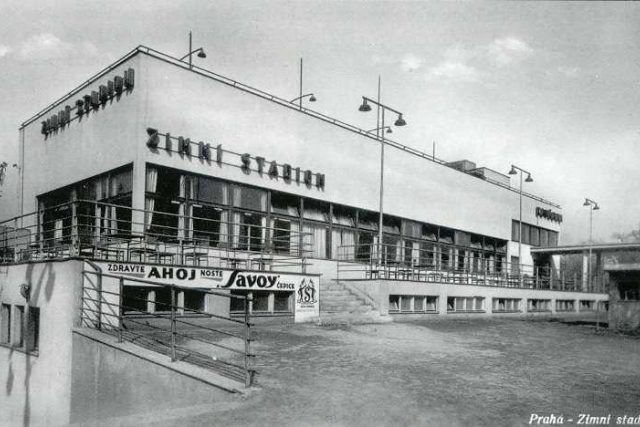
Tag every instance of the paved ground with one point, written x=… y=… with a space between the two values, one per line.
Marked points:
x=435 y=373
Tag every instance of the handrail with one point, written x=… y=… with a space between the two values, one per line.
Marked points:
x=106 y=312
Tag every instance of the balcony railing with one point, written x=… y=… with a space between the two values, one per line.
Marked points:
x=456 y=265
x=114 y=232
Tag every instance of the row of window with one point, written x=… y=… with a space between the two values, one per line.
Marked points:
x=533 y=235
x=20 y=327
x=143 y=299
x=429 y=304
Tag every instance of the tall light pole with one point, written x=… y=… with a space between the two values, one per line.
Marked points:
x=311 y=96
x=593 y=206
x=380 y=126
x=200 y=51
x=514 y=171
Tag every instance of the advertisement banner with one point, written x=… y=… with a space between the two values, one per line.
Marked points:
x=305 y=288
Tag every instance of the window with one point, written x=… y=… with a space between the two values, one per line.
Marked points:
x=134 y=298
x=206 y=225
x=5 y=324
x=264 y=302
x=212 y=191
x=537 y=305
x=249 y=198
x=282 y=237
x=285 y=204
x=465 y=304
x=282 y=302
x=587 y=305
x=17 y=337
x=535 y=236
x=315 y=238
x=506 y=305
x=526 y=234
x=368 y=220
x=446 y=235
x=193 y=300
x=565 y=305
x=315 y=210
x=413 y=304
x=33 y=329
x=260 y=301
x=12 y=327
x=553 y=238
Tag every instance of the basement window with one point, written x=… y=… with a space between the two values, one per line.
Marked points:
x=465 y=304
x=587 y=305
x=565 y=305
x=538 y=305
x=413 y=304
x=506 y=305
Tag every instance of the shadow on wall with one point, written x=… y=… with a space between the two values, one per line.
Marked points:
x=47 y=280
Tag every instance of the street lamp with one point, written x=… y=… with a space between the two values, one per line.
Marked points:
x=364 y=107
x=311 y=96
x=593 y=206
x=388 y=129
x=200 y=51
x=514 y=171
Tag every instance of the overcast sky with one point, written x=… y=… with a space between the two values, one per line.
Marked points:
x=552 y=87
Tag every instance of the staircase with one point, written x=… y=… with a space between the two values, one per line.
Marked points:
x=339 y=305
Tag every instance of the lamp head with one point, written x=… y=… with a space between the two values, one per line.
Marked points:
x=529 y=179
x=389 y=130
x=586 y=202
x=513 y=171
x=312 y=98
x=201 y=54
x=400 y=121
x=596 y=207
x=364 y=107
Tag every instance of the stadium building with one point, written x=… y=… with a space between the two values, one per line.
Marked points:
x=161 y=190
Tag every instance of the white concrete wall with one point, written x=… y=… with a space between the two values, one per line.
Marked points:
x=379 y=290
x=99 y=141
x=175 y=100
x=36 y=390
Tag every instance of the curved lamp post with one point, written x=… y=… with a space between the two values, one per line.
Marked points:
x=365 y=107
x=514 y=171
x=199 y=50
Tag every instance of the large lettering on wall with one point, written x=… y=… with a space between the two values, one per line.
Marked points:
x=548 y=214
x=88 y=102
x=215 y=154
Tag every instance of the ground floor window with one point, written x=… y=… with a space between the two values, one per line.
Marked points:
x=5 y=324
x=134 y=298
x=15 y=332
x=413 y=304
x=193 y=300
x=465 y=304
x=565 y=305
x=506 y=305
x=587 y=305
x=263 y=302
x=539 y=305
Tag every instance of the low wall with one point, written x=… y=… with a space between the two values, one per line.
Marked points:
x=379 y=291
x=108 y=381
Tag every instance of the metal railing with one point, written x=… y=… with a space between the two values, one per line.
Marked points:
x=172 y=328
x=115 y=232
x=443 y=263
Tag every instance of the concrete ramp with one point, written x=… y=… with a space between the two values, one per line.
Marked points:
x=111 y=379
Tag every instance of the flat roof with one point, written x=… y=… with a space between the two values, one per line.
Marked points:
x=578 y=249
x=283 y=102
